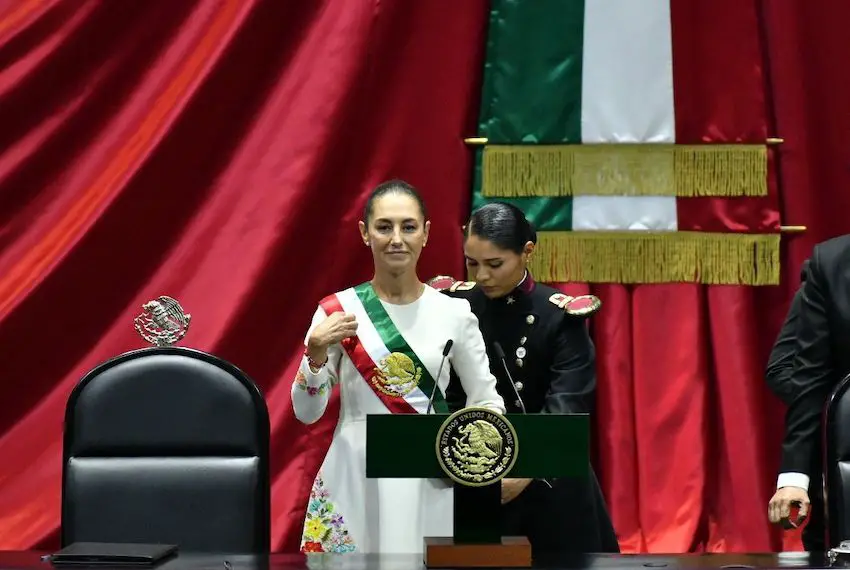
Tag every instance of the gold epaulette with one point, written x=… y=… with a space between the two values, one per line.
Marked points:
x=444 y=282
x=581 y=306
x=441 y=282
x=462 y=286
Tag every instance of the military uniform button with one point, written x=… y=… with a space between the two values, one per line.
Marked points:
x=518 y=386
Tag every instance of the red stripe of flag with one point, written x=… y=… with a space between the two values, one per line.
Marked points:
x=719 y=97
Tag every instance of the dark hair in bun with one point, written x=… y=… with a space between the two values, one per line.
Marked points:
x=503 y=224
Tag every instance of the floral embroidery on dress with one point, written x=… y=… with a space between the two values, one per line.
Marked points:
x=324 y=527
x=301 y=382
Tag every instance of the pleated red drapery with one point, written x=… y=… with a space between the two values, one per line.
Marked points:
x=220 y=153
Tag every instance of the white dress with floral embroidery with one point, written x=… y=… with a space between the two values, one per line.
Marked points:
x=346 y=511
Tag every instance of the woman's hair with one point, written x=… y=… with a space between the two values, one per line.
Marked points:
x=393 y=187
x=502 y=224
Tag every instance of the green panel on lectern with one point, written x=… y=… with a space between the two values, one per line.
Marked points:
x=549 y=445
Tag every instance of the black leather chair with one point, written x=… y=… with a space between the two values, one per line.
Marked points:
x=836 y=468
x=167 y=445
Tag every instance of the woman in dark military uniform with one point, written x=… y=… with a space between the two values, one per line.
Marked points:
x=551 y=359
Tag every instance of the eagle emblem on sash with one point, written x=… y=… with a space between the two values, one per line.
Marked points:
x=396 y=375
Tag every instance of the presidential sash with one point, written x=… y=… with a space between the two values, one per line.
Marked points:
x=381 y=354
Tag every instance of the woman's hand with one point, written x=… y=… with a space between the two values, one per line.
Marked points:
x=511 y=488
x=336 y=327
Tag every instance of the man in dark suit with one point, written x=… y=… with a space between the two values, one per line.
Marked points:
x=781 y=361
x=820 y=361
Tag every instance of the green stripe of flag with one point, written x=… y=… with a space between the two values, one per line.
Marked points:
x=531 y=91
x=532 y=74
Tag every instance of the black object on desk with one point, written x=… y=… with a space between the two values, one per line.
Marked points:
x=112 y=554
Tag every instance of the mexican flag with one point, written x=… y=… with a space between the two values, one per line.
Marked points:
x=639 y=155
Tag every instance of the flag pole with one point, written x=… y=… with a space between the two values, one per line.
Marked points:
x=482 y=141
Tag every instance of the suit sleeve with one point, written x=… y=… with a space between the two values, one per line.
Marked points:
x=573 y=372
x=812 y=375
x=311 y=391
x=781 y=362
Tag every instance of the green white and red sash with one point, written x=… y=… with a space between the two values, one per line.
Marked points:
x=377 y=338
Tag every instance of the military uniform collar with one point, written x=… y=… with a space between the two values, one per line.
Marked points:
x=526 y=284
x=524 y=287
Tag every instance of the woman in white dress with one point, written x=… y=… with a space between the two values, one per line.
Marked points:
x=382 y=343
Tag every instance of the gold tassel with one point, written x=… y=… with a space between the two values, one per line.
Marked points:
x=654 y=169
x=657 y=257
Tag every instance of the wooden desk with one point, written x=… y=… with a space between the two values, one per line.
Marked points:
x=30 y=560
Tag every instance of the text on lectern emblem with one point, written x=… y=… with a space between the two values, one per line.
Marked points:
x=476 y=447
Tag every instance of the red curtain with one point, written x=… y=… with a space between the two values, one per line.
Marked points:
x=219 y=151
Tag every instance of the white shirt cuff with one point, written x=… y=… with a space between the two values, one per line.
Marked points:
x=793 y=480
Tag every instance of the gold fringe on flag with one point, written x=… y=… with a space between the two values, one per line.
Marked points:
x=650 y=169
x=657 y=257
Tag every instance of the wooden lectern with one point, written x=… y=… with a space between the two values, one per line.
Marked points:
x=548 y=446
